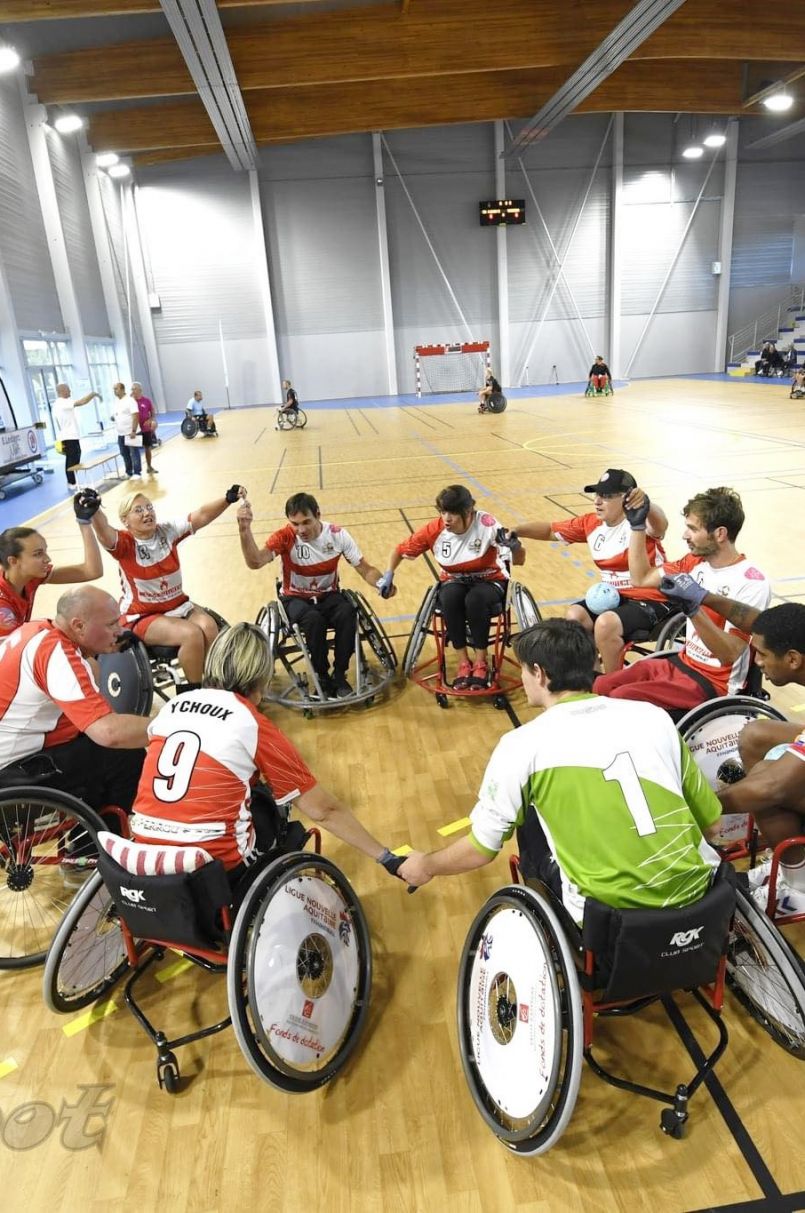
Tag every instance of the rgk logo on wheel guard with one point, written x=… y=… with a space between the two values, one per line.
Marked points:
x=683 y=938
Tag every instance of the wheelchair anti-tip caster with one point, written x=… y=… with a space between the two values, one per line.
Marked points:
x=168 y=1072
x=673 y=1121
x=500 y=702
x=442 y=700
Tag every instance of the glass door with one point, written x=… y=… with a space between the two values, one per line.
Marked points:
x=43 y=386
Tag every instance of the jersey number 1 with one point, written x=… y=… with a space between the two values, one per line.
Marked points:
x=175 y=766
x=622 y=771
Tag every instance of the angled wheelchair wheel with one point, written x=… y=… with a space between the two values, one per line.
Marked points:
x=420 y=630
x=766 y=976
x=285 y=421
x=372 y=630
x=47 y=851
x=671 y=636
x=520 y=1026
x=526 y=611
x=299 y=973
x=496 y=403
x=126 y=681
x=88 y=954
x=189 y=427
x=301 y=419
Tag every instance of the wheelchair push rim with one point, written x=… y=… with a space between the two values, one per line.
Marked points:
x=88 y=954
x=520 y=1021
x=47 y=848
x=299 y=974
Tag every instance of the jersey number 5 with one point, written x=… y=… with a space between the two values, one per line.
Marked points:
x=622 y=771
x=175 y=764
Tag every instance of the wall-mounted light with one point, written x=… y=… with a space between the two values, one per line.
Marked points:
x=715 y=139
x=106 y=159
x=67 y=124
x=9 y=59
x=778 y=102
x=119 y=170
x=693 y=152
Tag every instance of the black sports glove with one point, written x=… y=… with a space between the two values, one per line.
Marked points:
x=86 y=503
x=233 y=493
x=684 y=591
x=507 y=539
x=637 y=515
x=392 y=863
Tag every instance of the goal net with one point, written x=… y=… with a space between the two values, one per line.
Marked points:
x=451 y=366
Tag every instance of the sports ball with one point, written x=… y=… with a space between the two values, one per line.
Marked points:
x=601 y=598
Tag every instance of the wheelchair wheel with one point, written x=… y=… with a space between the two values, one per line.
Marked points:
x=766 y=976
x=671 y=635
x=127 y=683
x=88 y=955
x=299 y=973
x=712 y=729
x=520 y=1020
x=285 y=421
x=47 y=847
x=372 y=631
x=189 y=427
x=420 y=630
x=526 y=611
x=496 y=403
x=301 y=419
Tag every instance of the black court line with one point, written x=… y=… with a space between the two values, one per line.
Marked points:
x=321 y=472
x=279 y=468
x=787 y=483
x=260 y=435
x=519 y=445
x=421 y=420
x=369 y=421
x=510 y=712
x=428 y=560
x=559 y=506
x=352 y=419
x=434 y=417
x=737 y=1128
x=793 y=1203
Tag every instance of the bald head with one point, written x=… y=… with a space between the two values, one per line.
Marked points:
x=63 y=390
x=90 y=617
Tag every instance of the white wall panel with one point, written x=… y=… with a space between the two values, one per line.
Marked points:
x=68 y=179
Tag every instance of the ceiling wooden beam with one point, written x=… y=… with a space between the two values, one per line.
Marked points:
x=437 y=37
x=283 y=115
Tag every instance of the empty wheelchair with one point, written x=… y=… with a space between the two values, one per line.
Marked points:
x=203 y=424
x=130 y=679
x=504 y=672
x=296 y=953
x=532 y=984
x=47 y=850
x=293 y=419
x=295 y=683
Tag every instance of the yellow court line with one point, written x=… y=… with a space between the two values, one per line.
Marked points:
x=798 y=707
x=403 y=850
x=8 y=1066
x=453 y=827
x=178 y=966
x=100 y=1011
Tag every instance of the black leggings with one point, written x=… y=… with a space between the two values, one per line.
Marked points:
x=330 y=610
x=72 y=456
x=470 y=604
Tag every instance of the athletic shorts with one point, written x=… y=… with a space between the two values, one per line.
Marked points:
x=636 y=615
x=139 y=624
x=148 y=438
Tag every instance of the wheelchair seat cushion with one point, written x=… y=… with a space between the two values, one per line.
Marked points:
x=644 y=952
x=145 y=859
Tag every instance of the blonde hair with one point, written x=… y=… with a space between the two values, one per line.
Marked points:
x=126 y=503
x=239 y=660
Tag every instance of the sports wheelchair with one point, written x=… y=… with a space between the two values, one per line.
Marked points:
x=129 y=679
x=293 y=419
x=532 y=985
x=46 y=850
x=592 y=390
x=431 y=674
x=203 y=424
x=496 y=402
x=296 y=952
x=298 y=685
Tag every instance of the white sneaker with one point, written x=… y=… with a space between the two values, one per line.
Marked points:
x=789 y=901
x=759 y=875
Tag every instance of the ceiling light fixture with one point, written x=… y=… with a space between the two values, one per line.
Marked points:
x=779 y=102
x=9 y=59
x=693 y=152
x=716 y=139
x=67 y=124
x=119 y=170
x=106 y=159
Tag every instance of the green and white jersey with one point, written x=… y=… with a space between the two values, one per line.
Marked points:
x=620 y=800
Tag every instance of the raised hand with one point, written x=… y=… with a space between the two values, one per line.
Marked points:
x=683 y=590
x=385 y=584
x=636 y=507
x=234 y=492
x=86 y=503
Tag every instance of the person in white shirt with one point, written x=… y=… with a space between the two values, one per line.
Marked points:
x=126 y=417
x=67 y=432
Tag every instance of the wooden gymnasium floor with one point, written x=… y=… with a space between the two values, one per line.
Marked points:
x=398 y=1130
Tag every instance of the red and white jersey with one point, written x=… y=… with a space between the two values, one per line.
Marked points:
x=745 y=583
x=205 y=749
x=609 y=548
x=150 y=576
x=310 y=566
x=48 y=693
x=16 y=608
x=474 y=554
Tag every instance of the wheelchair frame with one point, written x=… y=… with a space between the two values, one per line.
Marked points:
x=293 y=419
x=244 y=939
x=304 y=691
x=431 y=674
x=191 y=426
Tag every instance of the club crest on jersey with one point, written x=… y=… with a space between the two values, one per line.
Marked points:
x=475 y=546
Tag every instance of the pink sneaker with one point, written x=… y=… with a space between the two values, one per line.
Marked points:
x=480 y=676
x=463 y=678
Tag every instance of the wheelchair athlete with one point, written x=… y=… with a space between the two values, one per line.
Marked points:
x=621 y=805
x=491 y=388
x=310 y=551
x=715 y=657
x=772 y=753
x=26 y=565
x=606 y=532
x=154 y=605
x=207 y=750
x=467 y=545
